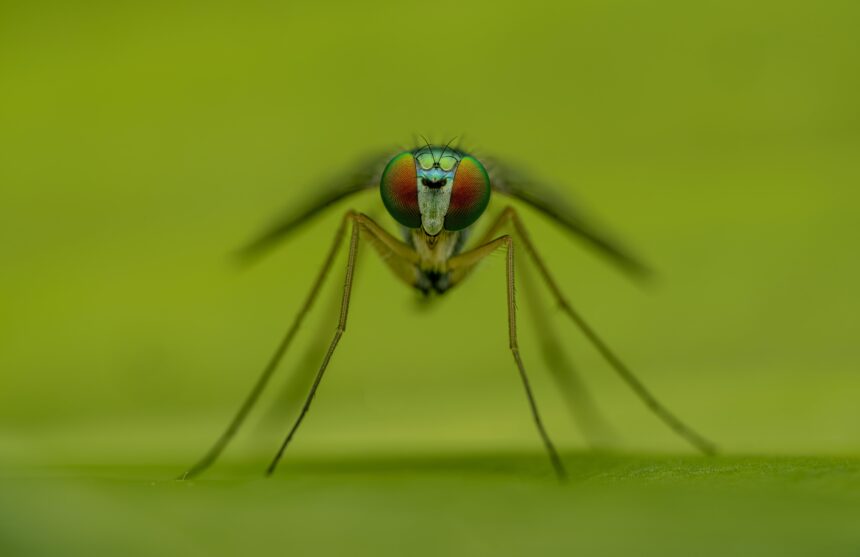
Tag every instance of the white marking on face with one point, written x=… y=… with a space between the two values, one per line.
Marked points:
x=433 y=204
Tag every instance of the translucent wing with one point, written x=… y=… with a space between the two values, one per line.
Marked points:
x=542 y=198
x=365 y=176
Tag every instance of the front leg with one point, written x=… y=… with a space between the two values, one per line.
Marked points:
x=467 y=261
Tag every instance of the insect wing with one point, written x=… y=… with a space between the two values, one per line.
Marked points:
x=508 y=182
x=369 y=170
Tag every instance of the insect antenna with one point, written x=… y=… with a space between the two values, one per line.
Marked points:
x=446 y=147
x=430 y=149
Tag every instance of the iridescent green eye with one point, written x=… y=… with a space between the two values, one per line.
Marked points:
x=447 y=163
x=426 y=161
x=399 y=189
x=470 y=194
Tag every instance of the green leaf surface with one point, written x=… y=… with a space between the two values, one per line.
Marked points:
x=493 y=504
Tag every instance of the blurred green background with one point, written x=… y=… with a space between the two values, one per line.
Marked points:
x=141 y=145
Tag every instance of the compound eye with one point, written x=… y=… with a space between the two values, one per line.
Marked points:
x=399 y=189
x=470 y=194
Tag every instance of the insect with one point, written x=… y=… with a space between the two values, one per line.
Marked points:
x=436 y=194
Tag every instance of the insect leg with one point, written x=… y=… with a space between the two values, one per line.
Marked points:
x=341 y=327
x=471 y=258
x=263 y=380
x=393 y=252
x=704 y=445
x=581 y=405
x=292 y=392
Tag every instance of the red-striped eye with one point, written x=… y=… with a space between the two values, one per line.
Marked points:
x=399 y=189
x=470 y=194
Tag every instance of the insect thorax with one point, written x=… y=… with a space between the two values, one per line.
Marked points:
x=434 y=253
